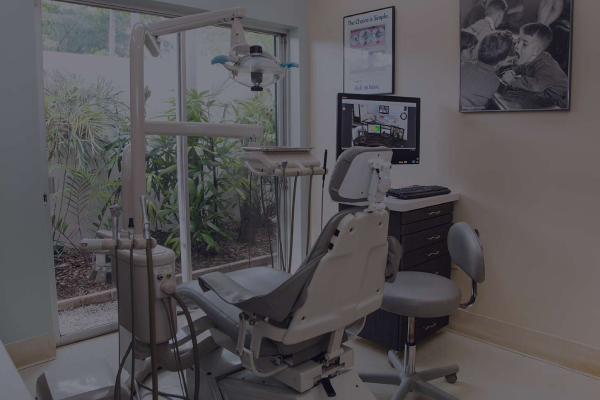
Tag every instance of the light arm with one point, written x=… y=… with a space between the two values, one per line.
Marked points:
x=195 y=21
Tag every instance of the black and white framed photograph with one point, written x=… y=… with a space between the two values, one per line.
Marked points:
x=369 y=52
x=515 y=55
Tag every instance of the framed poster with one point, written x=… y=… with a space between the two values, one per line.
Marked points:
x=515 y=55
x=369 y=49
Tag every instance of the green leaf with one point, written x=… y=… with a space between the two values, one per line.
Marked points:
x=210 y=241
x=168 y=170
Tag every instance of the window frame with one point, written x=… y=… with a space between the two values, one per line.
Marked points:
x=282 y=100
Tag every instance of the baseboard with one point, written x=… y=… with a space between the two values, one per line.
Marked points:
x=32 y=351
x=558 y=351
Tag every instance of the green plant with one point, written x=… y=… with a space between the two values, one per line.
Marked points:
x=80 y=118
x=258 y=110
x=84 y=195
x=81 y=121
x=73 y=28
x=212 y=178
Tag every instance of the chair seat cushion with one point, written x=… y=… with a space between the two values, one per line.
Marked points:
x=421 y=295
x=226 y=318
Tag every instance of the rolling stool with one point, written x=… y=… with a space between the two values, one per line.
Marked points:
x=423 y=295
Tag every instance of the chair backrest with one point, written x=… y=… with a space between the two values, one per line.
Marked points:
x=466 y=251
x=347 y=284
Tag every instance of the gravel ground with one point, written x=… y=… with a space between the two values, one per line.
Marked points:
x=83 y=318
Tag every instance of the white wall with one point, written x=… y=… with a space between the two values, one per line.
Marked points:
x=25 y=305
x=528 y=181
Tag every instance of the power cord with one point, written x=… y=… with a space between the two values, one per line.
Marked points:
x=131 y=290
x=167 y=305
x=194 y=344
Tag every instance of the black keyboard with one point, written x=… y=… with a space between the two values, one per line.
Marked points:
x=418 y=192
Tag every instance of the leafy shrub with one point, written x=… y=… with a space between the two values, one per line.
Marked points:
x=88 y=127
x=218 y=182
x=80 y=121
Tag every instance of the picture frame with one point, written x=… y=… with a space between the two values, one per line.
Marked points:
x=544 y=27
x=384 y=110
x=369 y=52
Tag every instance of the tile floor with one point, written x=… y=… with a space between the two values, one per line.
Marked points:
x=487 y=372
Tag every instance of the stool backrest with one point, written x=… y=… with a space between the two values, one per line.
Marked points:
x=466 y=251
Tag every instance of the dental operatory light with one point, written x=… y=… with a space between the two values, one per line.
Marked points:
x=251 y=66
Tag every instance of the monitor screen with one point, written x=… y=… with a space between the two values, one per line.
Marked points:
x=390 y=121
x=375 y=129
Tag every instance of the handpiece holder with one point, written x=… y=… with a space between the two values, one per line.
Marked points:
x=115 y=213
x=146 y=222
x=269 y=161
x=94 y=245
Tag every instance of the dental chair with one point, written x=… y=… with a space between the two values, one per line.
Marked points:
x=282 y=336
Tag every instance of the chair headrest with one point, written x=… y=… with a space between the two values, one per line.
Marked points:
x=351 y=176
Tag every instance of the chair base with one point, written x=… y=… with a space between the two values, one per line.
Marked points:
x=417 y=382
x=410 y=380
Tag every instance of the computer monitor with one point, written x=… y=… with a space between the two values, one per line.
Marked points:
x=376 y=129
x=391 y=121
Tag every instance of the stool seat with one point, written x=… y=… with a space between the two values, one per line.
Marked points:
x=421 y=295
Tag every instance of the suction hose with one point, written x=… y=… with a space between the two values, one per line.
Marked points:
x=151 y=301
x=169 y=288
x=188 y=317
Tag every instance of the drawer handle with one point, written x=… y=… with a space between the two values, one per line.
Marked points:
x=437 y=273
x=434 y=213
x=436 y=237
x=430 y=326
x=433 y=254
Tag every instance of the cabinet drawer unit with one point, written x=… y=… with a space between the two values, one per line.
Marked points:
x=423 y=234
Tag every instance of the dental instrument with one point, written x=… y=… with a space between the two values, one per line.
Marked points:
x=323 y=186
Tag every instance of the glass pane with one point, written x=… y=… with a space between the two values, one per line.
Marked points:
x=225 y=226
x=86 y=70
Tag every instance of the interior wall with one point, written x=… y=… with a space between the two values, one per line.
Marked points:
x=527 y=180
x=25 y=305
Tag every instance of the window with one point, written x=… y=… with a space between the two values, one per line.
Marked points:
x=86 y=69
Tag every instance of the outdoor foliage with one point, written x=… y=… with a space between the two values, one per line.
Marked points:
x=81 y=120
x=88 y=127
x=70 y=28
x=87 y=130
x=218 y=183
